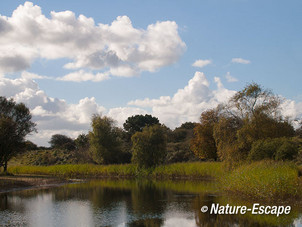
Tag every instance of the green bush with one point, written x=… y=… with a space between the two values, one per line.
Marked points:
x=287 y=151
x=278 y=149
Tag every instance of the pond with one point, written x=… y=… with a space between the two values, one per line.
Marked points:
x=130 y=203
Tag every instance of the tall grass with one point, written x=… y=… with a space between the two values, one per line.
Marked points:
x=265 y=180
x=78 y=170
x=178 y=170
x=203 y=170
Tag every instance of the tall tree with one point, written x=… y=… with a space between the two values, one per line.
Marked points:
x=251 y=114
x=203 y=143
x=15 y=125
x=149 y=146
x=104 y=140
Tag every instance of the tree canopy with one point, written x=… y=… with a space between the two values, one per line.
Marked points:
x=137 y=123
x=149 y=146
x=15 y=125
x=104 y=140
x=230 y=130
x=60 y=141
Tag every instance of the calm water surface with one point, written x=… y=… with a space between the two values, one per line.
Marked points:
x=129 y=203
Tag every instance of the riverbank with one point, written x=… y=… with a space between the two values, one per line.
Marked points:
x=194 y=170
x=265 y=180
x=22 y=182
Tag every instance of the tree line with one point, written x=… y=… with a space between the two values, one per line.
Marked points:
x=248 y=127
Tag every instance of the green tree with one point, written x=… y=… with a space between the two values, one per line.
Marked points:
x=137 y=123
x=82 y=142
x=250 y=115
x=149 y=146
x=203 y=143
x=104 y=140
x=62 y=142
x=15 y=125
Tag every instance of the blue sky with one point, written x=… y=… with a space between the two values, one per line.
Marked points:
x=264 y=36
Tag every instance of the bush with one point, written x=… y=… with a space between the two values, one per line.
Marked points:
x=278 y=149
x=287 y=151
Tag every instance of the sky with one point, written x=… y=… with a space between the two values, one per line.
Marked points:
x=68 y=60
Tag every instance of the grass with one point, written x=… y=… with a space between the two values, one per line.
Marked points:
x=178 y=170
x=195 y=170
x=77 y=170
x=267 y=180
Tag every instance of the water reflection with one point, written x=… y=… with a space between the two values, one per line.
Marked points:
x=128 y=203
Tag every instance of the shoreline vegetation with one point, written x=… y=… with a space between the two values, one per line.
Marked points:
x=266 y=180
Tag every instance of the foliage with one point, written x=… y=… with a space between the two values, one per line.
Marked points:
x=229 y=131
x=104 y=140
x=178 y=144
x=278 y=149
x=15 y=124
x=137 y=123
x=203 y=144
x=59 y=141
x=82 y=142
x=149 y=146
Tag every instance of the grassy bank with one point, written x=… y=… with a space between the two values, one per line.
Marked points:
x=204 y=170
x=267 y=180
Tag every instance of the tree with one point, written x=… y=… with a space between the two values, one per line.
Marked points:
x=149 y=146
x=62 y=142
x=250 y=115
x=15 y=125
x=137 y=123
x=104 y=140
x=203 y=143
x=82 y=142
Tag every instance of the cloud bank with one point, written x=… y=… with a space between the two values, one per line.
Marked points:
x=117 y=49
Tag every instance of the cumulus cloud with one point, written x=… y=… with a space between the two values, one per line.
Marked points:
x=201 y=63
x=240 y=61
x=117 y=48
x=230 y=78
x=52 y=115
x=187 y=103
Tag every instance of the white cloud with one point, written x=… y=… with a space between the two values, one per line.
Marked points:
x=118 y=48
x=187 y=103
x=120 y=114
x=81 y=75
x=29 y=75
x=240 y=61
x=230 y=78
x=201 y=63
x=51 y=115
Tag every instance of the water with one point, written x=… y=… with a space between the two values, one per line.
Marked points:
x=129 y=203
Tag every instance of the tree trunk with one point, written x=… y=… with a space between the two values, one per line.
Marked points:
x=5 y=166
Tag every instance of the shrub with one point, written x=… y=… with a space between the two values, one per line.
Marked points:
x=287 y=151
x=278 y=149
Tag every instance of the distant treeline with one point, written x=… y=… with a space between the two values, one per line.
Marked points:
x=249 y=127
